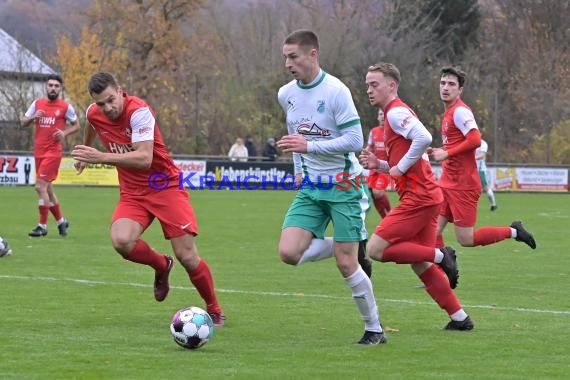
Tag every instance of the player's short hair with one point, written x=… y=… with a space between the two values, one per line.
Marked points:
x=100 y=81
x=304 y=38
x=453 y=70
x=56 y=77
x=388 y=69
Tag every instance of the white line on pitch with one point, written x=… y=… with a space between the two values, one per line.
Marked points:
x=284 y=294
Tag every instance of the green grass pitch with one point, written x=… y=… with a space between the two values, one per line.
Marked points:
x=73 y=309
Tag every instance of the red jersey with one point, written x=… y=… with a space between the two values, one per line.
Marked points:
x=118 y=136
x=56 y=115
x=459 y=172
x=376 y=138
x=420 y=185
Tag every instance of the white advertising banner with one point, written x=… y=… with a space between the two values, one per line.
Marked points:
x=192 y=171
x=17 y=170
x=542 y=179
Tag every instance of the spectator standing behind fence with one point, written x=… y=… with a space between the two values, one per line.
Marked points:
x=270 y=150
x=238 y=151
x=251 y=149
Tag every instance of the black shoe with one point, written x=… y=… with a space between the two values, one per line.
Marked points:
x=364 y=260
x=449 y=265
x=373 y=338
x=464 y=325
x=494 y=207
x=38 y=231
x=523 y=235
x=62 y=227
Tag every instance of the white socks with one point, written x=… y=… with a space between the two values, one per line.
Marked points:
x=459 y=315
x=491 y=197
x=438 y=256
x=319 y=249
x=363 y=295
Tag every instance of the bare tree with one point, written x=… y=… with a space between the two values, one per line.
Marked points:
x=528 y=47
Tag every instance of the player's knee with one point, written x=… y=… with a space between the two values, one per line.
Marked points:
x=40 y=189
x=465 y=241
x=377 y=256
x=288 y=255
x=122 y=244
x=189 y=260
x=374 y=253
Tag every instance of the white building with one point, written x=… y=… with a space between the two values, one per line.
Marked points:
x=22 y=76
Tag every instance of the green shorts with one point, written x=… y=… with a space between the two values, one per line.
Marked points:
x=483 y=177
x=314 y=208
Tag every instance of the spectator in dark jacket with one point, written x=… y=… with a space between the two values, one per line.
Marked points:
x=251 y=150
x=270 y=150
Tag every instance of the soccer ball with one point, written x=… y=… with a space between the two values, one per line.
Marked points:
x=192 y=327
x=5 y=249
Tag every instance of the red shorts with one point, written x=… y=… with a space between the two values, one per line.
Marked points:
x=411 y=222
x=460 y=206
x=170 y=206
x=47 y=168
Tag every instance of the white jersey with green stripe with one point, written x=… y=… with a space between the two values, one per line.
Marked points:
x=322 y=111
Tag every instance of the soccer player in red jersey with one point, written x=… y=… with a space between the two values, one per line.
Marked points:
x=148 y=184
x=377 y=187
x=460 y=180
x=407 y=234
x=50 y=116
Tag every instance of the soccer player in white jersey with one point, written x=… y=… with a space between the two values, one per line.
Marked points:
x=324 y=132
x=481 y=157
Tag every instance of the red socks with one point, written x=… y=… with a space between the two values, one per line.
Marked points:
x=56 y=211
x=382 y=205
x=437 y=286
x=490 y=235
x=408 y=253
x=142 y=253
x=202 y=279
x=439 y=243
x=44 y=212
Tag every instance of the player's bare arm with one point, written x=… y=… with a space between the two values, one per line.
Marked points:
x=139 y=158
x=88 y=139
x=438 y=154
x=369 y=161
x=61 y=135
x=26 y=121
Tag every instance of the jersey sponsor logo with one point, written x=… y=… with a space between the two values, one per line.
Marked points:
x=321 y=106
x=46 y=121
x=406 y=121
x=291 y=104
x=120 y=148
x=143 y=130
x=312 y=130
